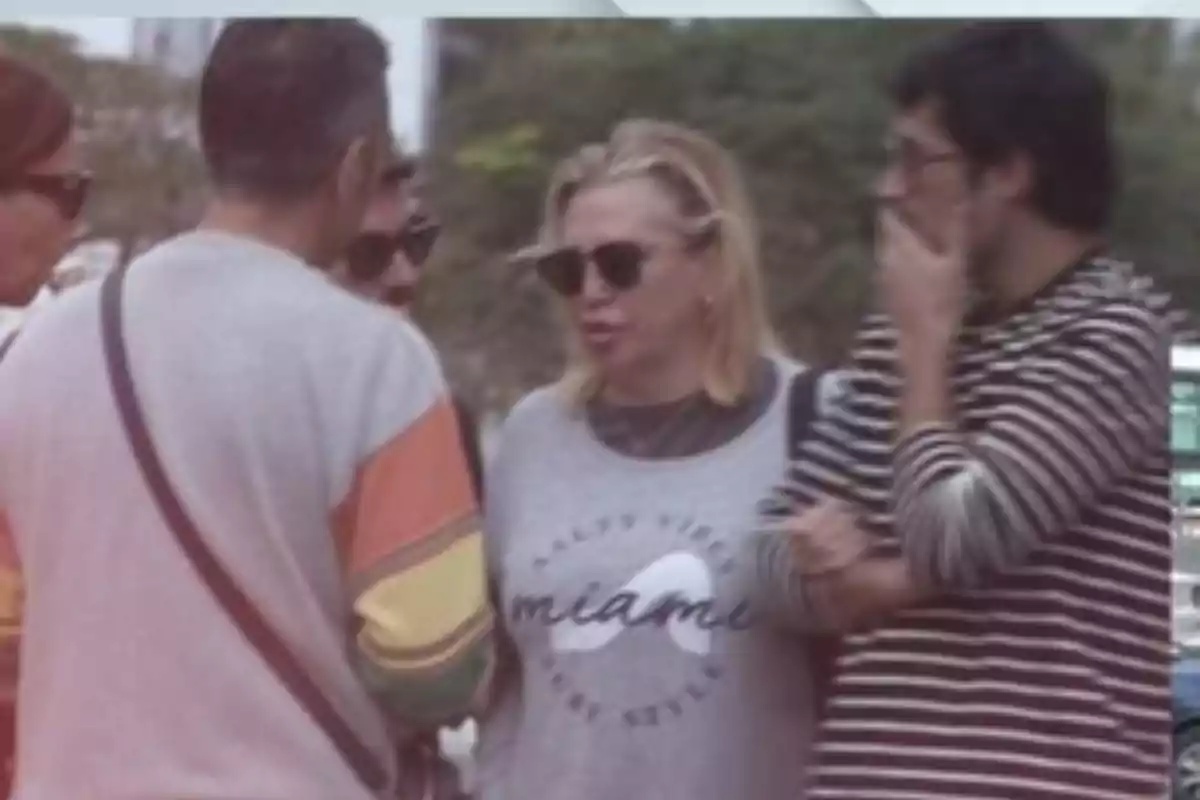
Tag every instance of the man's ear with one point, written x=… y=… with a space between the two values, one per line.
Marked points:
x=1010 y=179
x=357 y=169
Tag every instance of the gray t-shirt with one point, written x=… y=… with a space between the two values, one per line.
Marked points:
x=623 y=583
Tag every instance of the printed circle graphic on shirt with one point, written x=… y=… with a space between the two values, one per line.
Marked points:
x=668 y=611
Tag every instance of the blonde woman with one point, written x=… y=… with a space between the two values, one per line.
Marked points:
x=623 y=498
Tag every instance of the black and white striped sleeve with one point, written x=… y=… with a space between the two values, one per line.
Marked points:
x=822 y=469
x=782 y=591
x=1088 y=412
x=825 y=464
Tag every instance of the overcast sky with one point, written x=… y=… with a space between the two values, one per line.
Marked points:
x=113 y=36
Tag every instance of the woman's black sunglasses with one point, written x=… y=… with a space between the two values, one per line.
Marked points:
x=370 y=254
x=68 y=191
x=618 y=263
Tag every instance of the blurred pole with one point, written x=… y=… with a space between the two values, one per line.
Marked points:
x=431 y=39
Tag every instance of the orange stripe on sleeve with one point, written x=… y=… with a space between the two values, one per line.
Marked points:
x=12 y=602
x=413 y=549
x=8 y=550
x=414 y=486
x=11 y=585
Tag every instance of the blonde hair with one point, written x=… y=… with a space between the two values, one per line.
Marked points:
x=708 y=188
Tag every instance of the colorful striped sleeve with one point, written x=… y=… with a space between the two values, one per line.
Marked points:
x=12 y=596
x=412 y=546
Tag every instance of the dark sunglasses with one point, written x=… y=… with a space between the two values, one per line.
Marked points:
x=397 y=173
x=68 y=191
x=370 y=254
x=619 y=264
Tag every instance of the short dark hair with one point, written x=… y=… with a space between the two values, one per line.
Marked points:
x=1000 y=89
x=281 y=100
x=38 y=116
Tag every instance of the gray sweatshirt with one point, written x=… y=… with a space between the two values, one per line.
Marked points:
x=645 y=673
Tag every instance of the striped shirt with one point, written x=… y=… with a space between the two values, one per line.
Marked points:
x=1042 y=671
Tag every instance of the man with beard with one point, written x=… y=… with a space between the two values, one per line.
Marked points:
x=988 y=512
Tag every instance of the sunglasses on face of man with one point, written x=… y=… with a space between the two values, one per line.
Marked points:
x=371 y=254
x=68 y=191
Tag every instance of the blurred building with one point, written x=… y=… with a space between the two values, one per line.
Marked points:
x=178 y=45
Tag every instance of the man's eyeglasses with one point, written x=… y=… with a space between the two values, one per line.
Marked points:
x=68 y=191
x=912 y=158
x=371 y=253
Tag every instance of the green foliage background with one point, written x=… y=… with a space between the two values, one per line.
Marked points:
x=800 y=103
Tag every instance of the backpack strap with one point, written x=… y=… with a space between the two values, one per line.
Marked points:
x=803 y=407
x=803 y=396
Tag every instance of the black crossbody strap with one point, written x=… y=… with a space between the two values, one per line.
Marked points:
x=273 y=649
x=803 y=397
x=7 y=344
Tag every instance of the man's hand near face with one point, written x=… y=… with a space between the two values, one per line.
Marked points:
x=924 y=289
